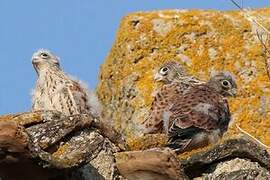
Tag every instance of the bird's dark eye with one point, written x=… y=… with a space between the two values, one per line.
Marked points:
x=44 y=55
x=225 y=83
x=164 y=70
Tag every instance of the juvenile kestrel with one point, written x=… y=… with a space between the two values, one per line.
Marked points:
x=55 y=90
x=176 y=81
x=201 y=115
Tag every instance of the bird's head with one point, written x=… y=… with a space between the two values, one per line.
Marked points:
x=224 y=83
x=170 y=71
x=44 y=59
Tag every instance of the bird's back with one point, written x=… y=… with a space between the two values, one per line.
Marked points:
x=163 y=100
x=199 y=117
x=200 y=106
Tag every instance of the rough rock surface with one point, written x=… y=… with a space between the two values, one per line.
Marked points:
x=238 y=169
x=159 y=164
x=205 y=42
x=233 y=159
x=54 y=141
x=214 y=159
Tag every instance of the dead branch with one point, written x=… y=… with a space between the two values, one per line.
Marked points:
x=259 y=36
x=249 y=17
x=266 y=51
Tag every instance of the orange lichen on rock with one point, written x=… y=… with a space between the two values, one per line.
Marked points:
x=147 y=142
x=23 y=118
x=61 y=150
x=205 y=42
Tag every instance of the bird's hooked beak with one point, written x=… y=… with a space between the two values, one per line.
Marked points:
x=35 y=60
x=233 y=92
x=158 y=77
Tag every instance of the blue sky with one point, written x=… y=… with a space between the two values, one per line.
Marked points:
x=80 y=32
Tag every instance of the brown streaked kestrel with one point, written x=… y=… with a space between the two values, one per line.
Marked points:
x=200 y=115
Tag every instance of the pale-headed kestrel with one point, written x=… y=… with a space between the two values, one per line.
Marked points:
x=56 y=90
x=191 y=112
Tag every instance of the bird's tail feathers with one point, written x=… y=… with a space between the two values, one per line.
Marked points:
x=181 y=138
x=176 y=132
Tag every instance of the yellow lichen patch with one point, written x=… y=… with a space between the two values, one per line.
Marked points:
x=226 y=136
x=23 y=118
x=61 y=159
x=6 y=117
x=61 y=150
x=205 y=42
x=147 y=142
x=188 y=154
x=28 y=118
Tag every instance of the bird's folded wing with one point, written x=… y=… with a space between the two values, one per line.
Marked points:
x=79 y=97
x=200 y=109
x=160 y=104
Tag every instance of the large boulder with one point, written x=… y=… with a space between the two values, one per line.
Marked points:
x=205 y=41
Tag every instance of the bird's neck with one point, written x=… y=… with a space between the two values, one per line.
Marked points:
x=51 y=73
x=48 y=70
